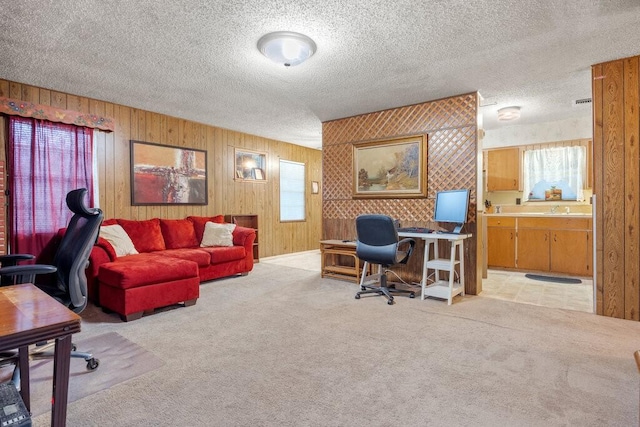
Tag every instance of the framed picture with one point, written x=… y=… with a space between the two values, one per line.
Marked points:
x=392 y=168
x=315 y=187
x=250 y=165
x=166 y=175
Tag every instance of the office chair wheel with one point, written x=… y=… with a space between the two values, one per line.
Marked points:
x=412 y=295
x=74 y=347
x=390 y=302
x=362 y=288
x=92 y=364
x=357 y=296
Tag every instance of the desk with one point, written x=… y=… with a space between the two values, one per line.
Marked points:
x=27 y=316
x=446 y=289
x=330 y=250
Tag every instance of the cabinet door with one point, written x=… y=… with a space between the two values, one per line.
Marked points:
x=501 y=247
x=571 y=252
x=533 y=249
x=503 y=169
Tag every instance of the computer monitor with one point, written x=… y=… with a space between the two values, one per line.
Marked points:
x=451 y=206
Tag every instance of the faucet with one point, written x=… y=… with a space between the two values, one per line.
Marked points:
x=554 y=208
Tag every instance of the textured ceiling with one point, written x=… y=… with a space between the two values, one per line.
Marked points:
x=198 y=59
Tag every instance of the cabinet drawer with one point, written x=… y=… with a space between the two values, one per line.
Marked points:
x=506 y=221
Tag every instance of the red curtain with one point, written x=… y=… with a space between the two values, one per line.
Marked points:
x=46 y=161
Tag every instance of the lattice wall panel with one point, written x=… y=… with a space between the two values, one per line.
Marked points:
x=451 y=156
x=420 y=118
x=337 y=172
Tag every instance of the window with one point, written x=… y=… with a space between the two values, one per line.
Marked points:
x=292 y=186
x=46 y=161
x=554 y=173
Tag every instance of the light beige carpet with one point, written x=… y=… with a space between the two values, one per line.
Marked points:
x=283 y=347
x=120 y=360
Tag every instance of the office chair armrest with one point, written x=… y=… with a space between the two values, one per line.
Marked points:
x=13 y=259
x=411 y=243
x=26 y=273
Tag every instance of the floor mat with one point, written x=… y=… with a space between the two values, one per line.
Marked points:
x=120 y=360
x=555 y=279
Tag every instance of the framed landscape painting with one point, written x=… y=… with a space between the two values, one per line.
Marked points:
x=166 y=175
x=393 y=168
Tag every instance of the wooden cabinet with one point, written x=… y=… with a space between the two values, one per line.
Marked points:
x=501 y=244
x=554 y=244
x=503 y=169
x=533 y=249
x=571 y=252
x=249 y=221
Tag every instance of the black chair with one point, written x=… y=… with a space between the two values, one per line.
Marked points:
x=69 y=264
x=378 y=244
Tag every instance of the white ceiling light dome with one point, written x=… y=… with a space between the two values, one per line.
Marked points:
x=286 y=47
x=508 y=113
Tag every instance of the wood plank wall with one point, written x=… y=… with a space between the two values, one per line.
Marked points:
x=226 y=196
x=616 y=127
x=451 y=126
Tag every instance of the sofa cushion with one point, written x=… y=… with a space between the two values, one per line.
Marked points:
x=221 y=254
x=178 y=233
x=200 y=221
x=145 y=235
x=217 y=234
x=196 y=255
x=145 y=269
x=111 y=221
x=118 y=238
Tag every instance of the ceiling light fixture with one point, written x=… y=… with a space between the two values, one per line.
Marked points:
x=508 y=113
x=286 y=47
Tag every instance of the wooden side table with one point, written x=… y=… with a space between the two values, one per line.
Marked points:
x=330 y=253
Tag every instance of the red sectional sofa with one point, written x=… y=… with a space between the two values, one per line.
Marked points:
x=169 y=267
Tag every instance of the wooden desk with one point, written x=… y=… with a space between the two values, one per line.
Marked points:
x=330 y=251
x=27 y=316
x=445 y=289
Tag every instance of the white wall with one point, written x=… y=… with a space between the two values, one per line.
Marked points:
x=561 y=130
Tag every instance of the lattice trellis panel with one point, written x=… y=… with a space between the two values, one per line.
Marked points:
x=446 y=113
x=451 y=160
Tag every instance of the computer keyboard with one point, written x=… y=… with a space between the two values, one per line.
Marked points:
x=415 y=230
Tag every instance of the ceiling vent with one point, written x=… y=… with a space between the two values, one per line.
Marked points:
x=583 y=101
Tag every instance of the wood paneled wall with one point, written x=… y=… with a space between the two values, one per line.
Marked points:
x=452 y=162
x=226 y=196
x=616 y=155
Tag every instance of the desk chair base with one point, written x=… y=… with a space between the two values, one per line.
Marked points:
x=382 y=289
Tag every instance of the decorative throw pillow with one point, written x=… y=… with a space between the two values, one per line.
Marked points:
x=217 y=234
x=119 y=239
x=145 y=234
x=200 y=221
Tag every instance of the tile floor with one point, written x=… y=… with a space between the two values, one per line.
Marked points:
x=499 y=284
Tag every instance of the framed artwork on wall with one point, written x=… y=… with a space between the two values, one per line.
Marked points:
x=166 y=175
x=250 y=165
x=391 y=168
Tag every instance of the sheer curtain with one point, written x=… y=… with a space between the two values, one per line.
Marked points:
x=560 y=167
x=46 y=161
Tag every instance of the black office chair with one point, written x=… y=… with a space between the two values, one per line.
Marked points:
x=69 y=264
x=378 y=244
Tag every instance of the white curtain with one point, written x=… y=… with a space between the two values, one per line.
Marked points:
x=559 y=167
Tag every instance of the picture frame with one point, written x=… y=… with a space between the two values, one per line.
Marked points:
x=167 y=175
x=390 y=168
x=250 y=165
x=315 y=187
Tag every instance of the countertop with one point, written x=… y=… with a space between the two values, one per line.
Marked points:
x=542 y=214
